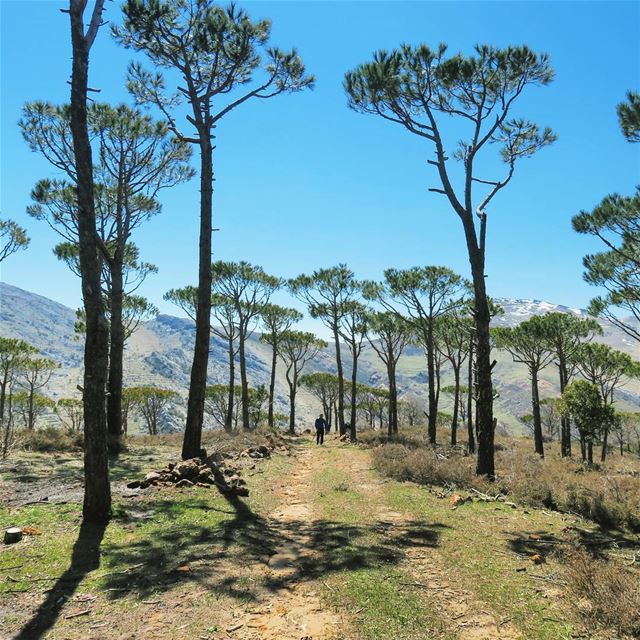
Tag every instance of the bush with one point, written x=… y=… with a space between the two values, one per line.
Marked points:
x=610 y=498
x=50 y=439
x=422 y=465
x=606 y=592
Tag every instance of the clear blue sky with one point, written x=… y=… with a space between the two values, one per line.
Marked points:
x=302 y=182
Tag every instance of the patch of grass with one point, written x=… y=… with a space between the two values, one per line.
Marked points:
x=50 y=439
x=384 y=609
x=381 y=607
x=475 y=546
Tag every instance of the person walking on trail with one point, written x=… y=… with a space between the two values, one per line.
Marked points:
x=321 y=425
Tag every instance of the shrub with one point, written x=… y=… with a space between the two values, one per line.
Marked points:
x=50 y=439
x=608 y=497
x=606 y=592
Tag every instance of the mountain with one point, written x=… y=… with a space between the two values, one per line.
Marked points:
x=159 y=353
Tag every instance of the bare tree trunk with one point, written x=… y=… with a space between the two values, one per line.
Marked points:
x=605 y=438
x=272 y=384
x=485 y=425
x=470 y=433
x=228 y=422
x=354 y=396
x=431 y=372
x=97 y=491
x=340 y=415
x=30 y=416
x=392 y=426
x=246 y=423
x=537 y=422
x=197 y=387
x=116 y=356
x=456 y=398
x=565 y=424
x=292 y=408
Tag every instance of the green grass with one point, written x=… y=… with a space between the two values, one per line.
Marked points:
x=474 y=544
x=386 y=609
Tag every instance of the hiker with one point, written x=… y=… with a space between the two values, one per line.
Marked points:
x=321 y=423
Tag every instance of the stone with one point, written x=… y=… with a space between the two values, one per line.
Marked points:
x=134 y=484
x=152 y=477
x=184 y=483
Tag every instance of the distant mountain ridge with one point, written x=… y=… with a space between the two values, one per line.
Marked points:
x=160 y=351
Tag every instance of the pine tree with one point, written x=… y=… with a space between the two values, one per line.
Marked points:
x=219 y=54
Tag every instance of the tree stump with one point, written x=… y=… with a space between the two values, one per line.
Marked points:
x=12 y=534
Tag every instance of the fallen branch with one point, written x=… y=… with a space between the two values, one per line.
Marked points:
x=420 y=584
x=78 y=614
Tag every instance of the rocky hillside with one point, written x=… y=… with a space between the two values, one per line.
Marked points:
x=159 y=353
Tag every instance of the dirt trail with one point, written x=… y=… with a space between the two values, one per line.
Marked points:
x=460 y=611
x=293 y=611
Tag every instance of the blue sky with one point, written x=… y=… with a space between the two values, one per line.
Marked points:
x=302 y=182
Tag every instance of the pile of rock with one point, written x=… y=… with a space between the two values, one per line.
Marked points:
x=256 y=452
x=201 y=472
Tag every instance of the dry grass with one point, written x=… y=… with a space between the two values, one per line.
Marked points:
x=609 y=496
x=49 y=440
x=606 y=593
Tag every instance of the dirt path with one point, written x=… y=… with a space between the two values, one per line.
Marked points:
x=293 y=610
x=461 y=612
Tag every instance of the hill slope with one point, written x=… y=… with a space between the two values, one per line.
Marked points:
x=159 y=353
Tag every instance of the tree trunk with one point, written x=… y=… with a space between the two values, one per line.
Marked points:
x=292 y=408
x=197 y=387
x=590 y=453
x=272 y=383
x=30 y=416
x=605 y=438
x=565 y=424
x=393 y=401
x=535 y=406
x=470 y=434
x=354 y=396
x=228 y=419
x=116 y=356
x=97 y=491
x=340 y=416
x=485 y=426
x=456 y=396
x=431 y=372
x=244 y=384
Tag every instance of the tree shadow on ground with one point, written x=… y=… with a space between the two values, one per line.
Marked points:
x=223 y=557
x=85 y=558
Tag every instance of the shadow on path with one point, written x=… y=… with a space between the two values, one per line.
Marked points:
x=85 y=557
x=196 y=553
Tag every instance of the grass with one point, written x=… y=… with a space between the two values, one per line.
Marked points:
x=475 y=547
x=183 y=558
x=385 y=608
x=609 y=496
x=164 y=544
